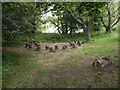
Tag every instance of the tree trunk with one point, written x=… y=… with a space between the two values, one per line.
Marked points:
x=66 y=32
x=110 y=24
x=108 y=29
x=71 y=30
x=88 y=30
x=58 y=28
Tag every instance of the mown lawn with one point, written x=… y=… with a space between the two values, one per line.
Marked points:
x=73 y=71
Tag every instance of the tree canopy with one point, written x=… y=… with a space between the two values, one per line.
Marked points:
x=28 y=17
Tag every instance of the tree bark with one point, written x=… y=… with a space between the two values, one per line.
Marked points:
x=103 y=22
x=90 y=22
x=66 y=31
x=108 y=29
x=71 y=30
x=118 y=17
x=58 y=26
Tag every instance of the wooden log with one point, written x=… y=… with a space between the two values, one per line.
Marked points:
x=35 y=43
x=63 y=47
x=30 y=45
x=38 y=47
x=78 y=43
x=56 y=47
x=102 y=62
x=46 y=47
x=75 y=41
x=26 y=45
x=71 y=44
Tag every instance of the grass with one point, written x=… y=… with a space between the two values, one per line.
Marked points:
x=12 y=65
x=9 y=60
x=69 y=72
x=48 y=37
x=15 y=43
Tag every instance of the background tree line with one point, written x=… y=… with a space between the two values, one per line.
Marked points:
x=25 y=18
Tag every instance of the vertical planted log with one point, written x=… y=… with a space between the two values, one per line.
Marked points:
x=26 y=45
x=30 y=45
x=78 y=43
x=38 y=48
x=75 y=41
x=56 y=47
x=63 y=48
x=46 y=47
x=33 y=41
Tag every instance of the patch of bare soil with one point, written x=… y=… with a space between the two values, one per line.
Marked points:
x=60 y=53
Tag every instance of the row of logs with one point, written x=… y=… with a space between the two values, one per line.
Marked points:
x=37 y=44
x=56 y=48
x=30 y=44
x=73 y=44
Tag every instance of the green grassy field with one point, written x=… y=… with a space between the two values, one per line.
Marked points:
x=22 y=70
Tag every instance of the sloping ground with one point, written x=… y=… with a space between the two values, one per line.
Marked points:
x=70 y=68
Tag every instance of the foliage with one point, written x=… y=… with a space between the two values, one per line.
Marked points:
x=81 y=13
x=21 y=18
x=28 y=18
x=110 y=16
x=64 y=23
